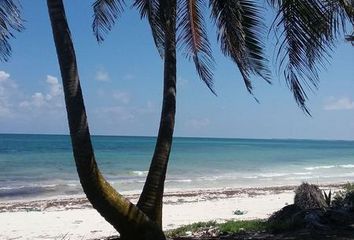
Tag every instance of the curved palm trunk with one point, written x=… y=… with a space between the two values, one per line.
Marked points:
x=118 y=211
x=150 y=201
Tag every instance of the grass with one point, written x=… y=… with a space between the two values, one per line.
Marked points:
x=182 y=231
x=227 y=227
x=237 y=226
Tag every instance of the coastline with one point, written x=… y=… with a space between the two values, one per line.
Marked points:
x=74 y=218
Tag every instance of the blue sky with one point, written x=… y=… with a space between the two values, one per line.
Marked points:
x=122 y=86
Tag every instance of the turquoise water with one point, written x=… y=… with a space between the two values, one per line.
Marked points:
x=42 y=165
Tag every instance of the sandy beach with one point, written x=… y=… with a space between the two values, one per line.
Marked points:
x=74 y=218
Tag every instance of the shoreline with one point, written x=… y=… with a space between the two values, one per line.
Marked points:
x=74 y=218
x=172 y=192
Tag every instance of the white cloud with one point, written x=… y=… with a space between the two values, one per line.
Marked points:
x=198 y=123
x=4 y=76
x=122 y=97
x=343 y=103
x=51 y=100
x=8 y=90
x=38 y=99
x=55 y=88
x=102 y=75
x=37 y=111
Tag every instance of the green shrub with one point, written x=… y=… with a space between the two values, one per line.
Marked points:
x=344 y=197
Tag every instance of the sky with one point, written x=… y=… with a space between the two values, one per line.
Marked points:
x=122 y=86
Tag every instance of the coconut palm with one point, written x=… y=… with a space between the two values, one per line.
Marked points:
x=163 y=23
x=308 y=33
x=131 y=222
x=10 y=22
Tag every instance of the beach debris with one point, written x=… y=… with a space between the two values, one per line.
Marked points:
x=309 y=196
x=239 y=212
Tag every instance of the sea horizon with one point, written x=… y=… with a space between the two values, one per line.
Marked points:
x=177 y=136
x=42 y=165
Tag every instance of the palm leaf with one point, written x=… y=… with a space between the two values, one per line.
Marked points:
x=241 y=35
x=105 y=13
x=10 y=21
x=193 y=37
x=350 y=38
x=308 y=32
x=153 y=11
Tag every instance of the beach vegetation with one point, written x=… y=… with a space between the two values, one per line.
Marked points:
x=309 y=196
x=328 y=197
x=194 y=227
x=310 y=213
x=344 y=198
x=228 y=227
x=237 y=226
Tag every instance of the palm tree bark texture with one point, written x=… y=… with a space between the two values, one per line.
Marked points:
x=150 y=201
x=130 y=222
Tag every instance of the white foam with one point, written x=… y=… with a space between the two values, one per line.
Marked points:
x=270 y=175
x=347 y=166
x=10 y=188
x=71 y=185
x=320 y=167
x=179 y=180
x=140 y=173
x=251 y=177
x=302 y=173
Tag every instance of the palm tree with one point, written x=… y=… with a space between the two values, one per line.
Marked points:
x=10 y=21
x=308 y=32
x=131 y=222
x=163 y=23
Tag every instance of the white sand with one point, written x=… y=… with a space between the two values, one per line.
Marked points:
x=179 y=209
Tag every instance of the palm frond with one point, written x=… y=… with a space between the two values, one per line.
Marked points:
x=241 y=35
x=193 y=37
x=10 y=22
x=105 y=13
x=152 y=10
x=348 y=7
x=350 y=38
x=308 y=32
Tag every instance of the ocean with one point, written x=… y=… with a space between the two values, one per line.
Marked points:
x=42 y=166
